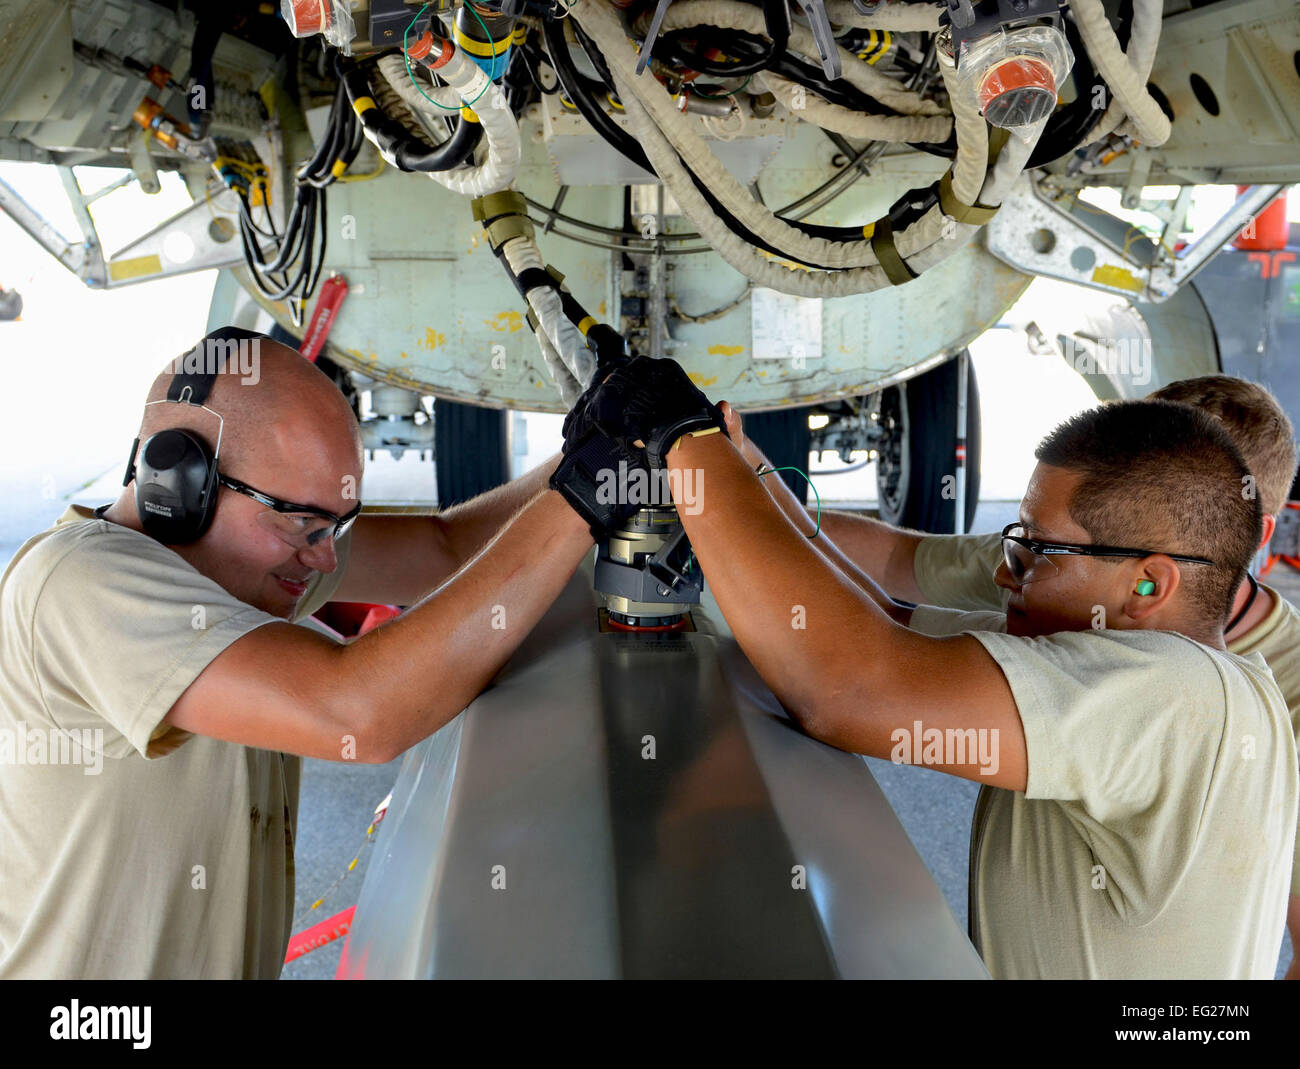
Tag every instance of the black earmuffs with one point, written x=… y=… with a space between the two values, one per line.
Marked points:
x=175 y=471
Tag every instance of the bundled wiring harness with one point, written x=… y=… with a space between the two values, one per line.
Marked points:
x=920 y=229
x=979 y=83
x=291 y=268
x=706 y=41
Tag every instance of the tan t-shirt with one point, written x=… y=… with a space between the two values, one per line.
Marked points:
x=1155 y=833
x=132 y=850
x=1276 y=638
x=956 y=572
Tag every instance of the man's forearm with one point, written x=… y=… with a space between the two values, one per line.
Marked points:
x=466 y=528
x=885 y=553
x=283 y=687
x=785 y=605
x=467 y=629
x=840 y=665
x=822 y=542
x=876 y=556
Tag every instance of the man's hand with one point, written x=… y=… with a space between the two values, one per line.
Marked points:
x=752 y=454
x=644 y=404
x=590 y=480
x=590 y=458
x=575 y=423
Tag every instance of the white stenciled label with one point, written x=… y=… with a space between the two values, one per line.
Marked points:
x=785 y=327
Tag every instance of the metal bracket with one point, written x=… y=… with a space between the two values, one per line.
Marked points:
x=669 y=566
x=652 y=34
x=94 y=272
x=1168 y=277
x=202 y=235
x=971 y=20
x=389 y=20
x=820 y=23
x=1062 y=237
x=76 y=257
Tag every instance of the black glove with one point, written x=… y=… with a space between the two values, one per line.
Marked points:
x=646 y=400
x=575 y=424
x=589 y=479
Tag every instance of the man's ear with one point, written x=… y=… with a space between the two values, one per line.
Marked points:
x=1153 y=581
x=1270 y=525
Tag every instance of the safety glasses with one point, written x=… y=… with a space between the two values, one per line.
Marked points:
x=298 y=525
x=1029 y=559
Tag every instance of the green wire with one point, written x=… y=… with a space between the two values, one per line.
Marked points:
x=772 y=471
x=411 y=73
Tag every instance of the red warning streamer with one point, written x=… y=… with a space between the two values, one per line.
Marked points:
x=332 y=292
x=318 y=935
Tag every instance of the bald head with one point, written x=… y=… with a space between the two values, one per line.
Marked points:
x=282 y=416
x=286 y=433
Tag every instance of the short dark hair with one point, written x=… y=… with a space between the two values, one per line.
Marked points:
x=1167 y=476
x=1258 y=425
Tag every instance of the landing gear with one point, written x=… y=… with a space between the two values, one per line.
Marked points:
x=917 y=478
x=471 y=450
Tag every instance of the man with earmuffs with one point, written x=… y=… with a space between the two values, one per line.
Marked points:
x=156 y=692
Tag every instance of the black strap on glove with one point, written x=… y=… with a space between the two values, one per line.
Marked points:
x=589 y=468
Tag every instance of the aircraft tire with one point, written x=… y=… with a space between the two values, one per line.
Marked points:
x=914 y=469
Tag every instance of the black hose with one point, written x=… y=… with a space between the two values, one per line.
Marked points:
x=534 y=57
x=625 y=143
x=517 y=80
x=404 y=151
x=839 y=92
x=809 y=75
x=776 y=15
x=339 y=135
x=299 y=254
x=451 y=153
x=571 y=83
x=313 y=165
x=207 y=34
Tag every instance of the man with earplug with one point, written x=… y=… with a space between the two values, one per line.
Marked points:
x=1140 y=797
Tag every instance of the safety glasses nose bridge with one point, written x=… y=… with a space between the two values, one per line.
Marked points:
x=1023 y=561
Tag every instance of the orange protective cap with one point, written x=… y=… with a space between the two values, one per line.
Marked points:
x=309 y=17
x=1024 y=84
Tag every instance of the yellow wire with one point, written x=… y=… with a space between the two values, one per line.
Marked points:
x=1132 y=235
x=366 y=176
